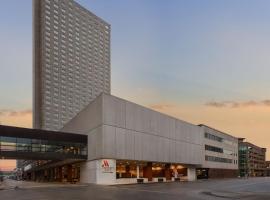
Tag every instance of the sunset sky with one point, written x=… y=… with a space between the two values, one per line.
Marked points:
x=201 y=61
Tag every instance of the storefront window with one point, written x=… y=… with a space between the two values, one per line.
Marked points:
x=126 y=169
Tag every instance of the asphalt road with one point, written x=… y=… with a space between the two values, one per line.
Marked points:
x=248 y=189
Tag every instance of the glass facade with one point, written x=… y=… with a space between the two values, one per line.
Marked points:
x=41 y=146
x=243 y=160
x=126 y=169
x=251 y=159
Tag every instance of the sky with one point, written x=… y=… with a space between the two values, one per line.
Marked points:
x=200 y=61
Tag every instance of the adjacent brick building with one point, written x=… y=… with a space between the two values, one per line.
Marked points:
x=251 y=159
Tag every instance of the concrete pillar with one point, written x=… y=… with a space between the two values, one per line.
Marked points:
x=98 y=171
x=55 y=174
x=60 y=174
x=191 y=173
x=128 y=171
x=69 y=173
x=51 y=174
x=37 y=175
x=147 y=171
x=168 y=174
x=33 y=176
x=138 y=171
x=48 y=174
x=45 y=175
x=41 y=175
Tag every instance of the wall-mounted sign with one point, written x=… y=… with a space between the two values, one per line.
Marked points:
x=107 y=166
x=27 y=167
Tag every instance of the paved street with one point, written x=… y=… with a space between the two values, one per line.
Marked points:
x=12 y=184
x=248 y=189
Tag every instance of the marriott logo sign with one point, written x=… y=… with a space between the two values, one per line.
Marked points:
x=106 y=166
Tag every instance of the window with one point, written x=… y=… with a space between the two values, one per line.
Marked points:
x=48 y=23
x=228 y=152
x=217 y=159
x=213 y=137
x=47 y=28
x=7 y=143
x=212 y=148
x=47 y=17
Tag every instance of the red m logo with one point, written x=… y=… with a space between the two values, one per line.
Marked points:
x=105 y=163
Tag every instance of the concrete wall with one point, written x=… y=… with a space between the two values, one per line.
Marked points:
x=229 y=143
x=88 y=172
x=118 y=129
x=134 y=132
x=191 y=174
x=87 y=120
x=94 y=172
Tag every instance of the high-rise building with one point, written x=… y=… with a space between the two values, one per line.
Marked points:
x=71 y=61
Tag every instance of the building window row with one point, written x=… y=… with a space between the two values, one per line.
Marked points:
x=229 y=152
x=220 y=150
x=217 y=159
x=212 y=148
x=213 y=137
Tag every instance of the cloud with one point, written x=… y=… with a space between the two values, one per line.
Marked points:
x=235 y=104
x=216 y=104
x=250 y=103
x=266 y=102
x=161 y=106
x=15 y=113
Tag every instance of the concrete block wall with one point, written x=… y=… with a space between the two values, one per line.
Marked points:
x=118 y=129
x=131 y=131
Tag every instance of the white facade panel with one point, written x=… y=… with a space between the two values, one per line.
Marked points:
x=109 y=141
x=88 y=119
x=119 y=129
x=95 y=143
x=120 y=143
x=172 y=151
x=151 y=136
x=130 y=143
x=96 y=171
x=227 y=144
x=138 y=143
x=88 y=172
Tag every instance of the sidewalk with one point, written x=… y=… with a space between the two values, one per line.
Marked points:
x=5 y=186
x=12 y=184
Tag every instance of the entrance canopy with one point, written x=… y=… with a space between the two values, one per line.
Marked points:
x=34 y=144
